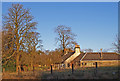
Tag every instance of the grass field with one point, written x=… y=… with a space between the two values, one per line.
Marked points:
x=80 y=73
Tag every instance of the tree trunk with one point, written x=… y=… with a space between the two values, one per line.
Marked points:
x=17 y=58
x=17 y=63
x=63 y=42
x=32 y=59
x=31 y=62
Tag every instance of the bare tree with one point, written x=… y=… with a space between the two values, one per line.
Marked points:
x=8 y=47
x=0 y=41
x=116 y=44
x=88 y=50
x=17 y=23
x=65 y=37
x=32 y=42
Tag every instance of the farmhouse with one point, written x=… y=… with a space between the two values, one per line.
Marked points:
x=80 y=59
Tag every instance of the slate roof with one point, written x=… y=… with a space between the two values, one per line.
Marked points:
x=93 y=56
x=64 y=57
x=78 y=58
x=105 y=56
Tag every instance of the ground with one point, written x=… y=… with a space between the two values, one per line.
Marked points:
x=80 y=73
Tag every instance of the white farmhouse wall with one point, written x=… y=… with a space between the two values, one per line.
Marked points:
x=72 y=57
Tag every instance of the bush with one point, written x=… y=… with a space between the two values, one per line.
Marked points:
x=10 y=68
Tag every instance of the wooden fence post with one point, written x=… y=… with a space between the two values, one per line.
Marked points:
x=33 y=68
x=72 y=68
x=51 y=69
x=96 y=66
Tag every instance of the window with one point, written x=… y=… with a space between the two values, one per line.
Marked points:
x=84 y=63
x=93 y=63
x=89 y=64
x=68 y=65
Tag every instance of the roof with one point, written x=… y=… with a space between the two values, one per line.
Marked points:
x=64 y=57
x=93 y=56
x=78 y=58
x=105 y=56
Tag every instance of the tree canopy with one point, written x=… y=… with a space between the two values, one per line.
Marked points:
x=18 y=26
x=65 y=38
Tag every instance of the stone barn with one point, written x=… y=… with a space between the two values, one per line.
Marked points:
x=80 y=59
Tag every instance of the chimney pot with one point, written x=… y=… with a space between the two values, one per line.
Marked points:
x=77 y=49
x=66 y=51
x=77 y=46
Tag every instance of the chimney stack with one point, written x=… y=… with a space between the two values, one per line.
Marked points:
x=77 y=49
x=101 y=56
x=66 y=51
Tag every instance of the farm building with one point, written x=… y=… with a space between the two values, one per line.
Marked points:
x=80 y=59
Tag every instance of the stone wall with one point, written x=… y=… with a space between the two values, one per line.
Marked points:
x=99 y=63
